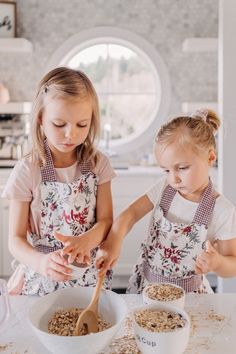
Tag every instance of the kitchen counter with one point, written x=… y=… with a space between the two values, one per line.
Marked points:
x=213 y=325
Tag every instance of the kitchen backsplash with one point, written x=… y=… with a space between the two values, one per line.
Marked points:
x=164 y=23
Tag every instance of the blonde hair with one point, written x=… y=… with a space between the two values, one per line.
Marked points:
x=197 y=129
x=65 y=83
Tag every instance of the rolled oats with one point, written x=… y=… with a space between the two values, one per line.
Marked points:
x=124 y=345
x=159 y=320
x=164 y=292
x=63 y=322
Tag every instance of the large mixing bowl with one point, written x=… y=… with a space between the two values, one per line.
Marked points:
x=111 y=306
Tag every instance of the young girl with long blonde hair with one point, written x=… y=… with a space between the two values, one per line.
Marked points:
x=60 y=194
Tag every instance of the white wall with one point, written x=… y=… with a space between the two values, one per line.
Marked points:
x=227 y=109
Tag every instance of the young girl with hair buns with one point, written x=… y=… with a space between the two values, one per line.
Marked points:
x=192 y=227
x=60 y=194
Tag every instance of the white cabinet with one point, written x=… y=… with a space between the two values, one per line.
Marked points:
x=15 y=108
x=5 y=256
x=126 y=187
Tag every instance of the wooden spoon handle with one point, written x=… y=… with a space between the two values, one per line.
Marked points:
x=94 y=302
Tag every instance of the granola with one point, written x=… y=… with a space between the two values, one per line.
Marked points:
x=159 y=320
x=164 y=292
x=63 y=322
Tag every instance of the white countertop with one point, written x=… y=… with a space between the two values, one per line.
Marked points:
x=210 y=334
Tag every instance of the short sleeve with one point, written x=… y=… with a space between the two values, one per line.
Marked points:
x=103 y=169
x=155 y=192
x=223 y=225
x=19 y=184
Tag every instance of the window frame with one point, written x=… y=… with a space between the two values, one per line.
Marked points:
x=99 y=35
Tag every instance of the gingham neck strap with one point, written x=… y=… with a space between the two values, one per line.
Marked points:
x=205 y=207
x=48 y=172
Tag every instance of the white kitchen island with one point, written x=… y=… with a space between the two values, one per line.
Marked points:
x=213 y=325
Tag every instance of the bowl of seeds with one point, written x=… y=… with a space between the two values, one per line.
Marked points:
x=166 y=293
x=161 y=329
x=54 y=316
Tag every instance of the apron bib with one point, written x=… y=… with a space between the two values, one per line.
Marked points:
x=170 y=249
x=68 y=208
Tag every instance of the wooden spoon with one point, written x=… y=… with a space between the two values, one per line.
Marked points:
x=88 y=319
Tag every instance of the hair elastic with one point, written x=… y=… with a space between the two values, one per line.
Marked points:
x=200 y=113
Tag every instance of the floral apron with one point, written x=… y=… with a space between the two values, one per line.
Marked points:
x=170 y=250
x=68 y=208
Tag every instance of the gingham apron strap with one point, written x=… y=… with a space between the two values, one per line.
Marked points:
x=166 y=198
x=48 y=171
x=85 y=167
x=47 y=249
x=189 y=284
x=205 y=208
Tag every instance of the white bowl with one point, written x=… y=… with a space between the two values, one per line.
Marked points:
x=111 y=306
x=174 y=342
x=175 y=302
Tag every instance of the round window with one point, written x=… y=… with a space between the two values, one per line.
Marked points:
x=131 y=81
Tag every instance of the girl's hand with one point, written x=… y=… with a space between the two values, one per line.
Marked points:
x=78 y=248
x=54 y=266
x=207 y=260
x=107 y=256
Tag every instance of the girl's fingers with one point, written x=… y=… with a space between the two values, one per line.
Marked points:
x=67 y=249
x=72 y=256
x=58 y=276
x=60 y=268
x=58 y=258
x=104 y=266
x=87 y=260
x=198 y=270
x=80 y=258
x=99 y=262
x=59 y=264
x=113 y=263
x=199 y=263
x=60 y=237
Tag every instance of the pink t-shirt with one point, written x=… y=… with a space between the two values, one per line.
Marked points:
x=24 y=183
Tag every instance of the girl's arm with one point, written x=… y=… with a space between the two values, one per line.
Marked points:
x=51 y=264
x=220 y=258
x=110 y=250
x=79 y=247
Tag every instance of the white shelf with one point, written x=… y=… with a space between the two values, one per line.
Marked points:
x=16 y=108
x=200 y=45
x=193 y=106
x=13 y=45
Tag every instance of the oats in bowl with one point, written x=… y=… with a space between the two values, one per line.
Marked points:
x=63 y=322
x=164 y=292
x=111 y=307
x=159 y=320
x=161 y=328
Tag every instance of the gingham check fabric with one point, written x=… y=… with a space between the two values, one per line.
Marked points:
x=47 y=249
x=204 y=211
x=188 y=284
x=48 y=171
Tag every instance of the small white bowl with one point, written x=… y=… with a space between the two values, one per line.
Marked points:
x=179 y=302
x=173 y=342
x=111 y=306
x=78 y=269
